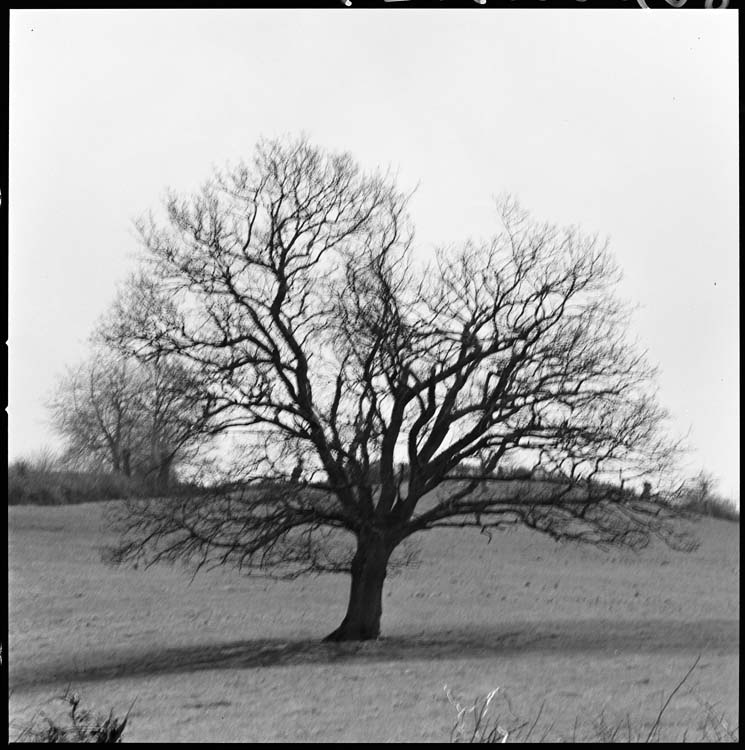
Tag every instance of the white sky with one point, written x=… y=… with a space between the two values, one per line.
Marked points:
x=625 y=122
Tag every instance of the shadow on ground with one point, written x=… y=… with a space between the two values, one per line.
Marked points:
x=498 y=641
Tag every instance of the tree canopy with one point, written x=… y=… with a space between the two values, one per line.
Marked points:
x=379 y=390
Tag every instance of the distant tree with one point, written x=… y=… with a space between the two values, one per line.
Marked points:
x=135 y=418
x=699 y=495
x=701 y=489
x=94 y=409
x=291 y=284
x=172 y=427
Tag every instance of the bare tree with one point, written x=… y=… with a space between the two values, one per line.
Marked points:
x=135 y=418
x=95 y=409
x=291 y=284
x=173 y=423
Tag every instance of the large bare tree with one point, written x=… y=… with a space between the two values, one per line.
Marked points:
x=378 y=396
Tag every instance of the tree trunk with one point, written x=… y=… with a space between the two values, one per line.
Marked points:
x=163 y=480
x=116 y=463
x=362 y=621
x=126 y=462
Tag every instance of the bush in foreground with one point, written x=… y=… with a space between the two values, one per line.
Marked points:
x=482 y=722
x=77 y=724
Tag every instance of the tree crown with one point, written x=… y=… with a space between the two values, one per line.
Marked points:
x=373 y=381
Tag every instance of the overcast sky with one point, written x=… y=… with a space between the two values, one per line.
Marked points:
x=624 y=122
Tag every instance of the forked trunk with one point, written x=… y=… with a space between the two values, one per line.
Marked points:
x=362 y=621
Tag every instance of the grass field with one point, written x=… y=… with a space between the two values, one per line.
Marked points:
x=230 y=658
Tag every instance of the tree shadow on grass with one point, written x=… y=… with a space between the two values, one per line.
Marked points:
x=502 y=640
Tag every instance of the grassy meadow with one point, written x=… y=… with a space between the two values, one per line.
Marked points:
x=574 y=632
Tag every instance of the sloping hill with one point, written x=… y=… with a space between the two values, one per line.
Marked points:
x=225 y=657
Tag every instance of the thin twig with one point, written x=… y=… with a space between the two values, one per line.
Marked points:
x=670 y=697
x=538 y=716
